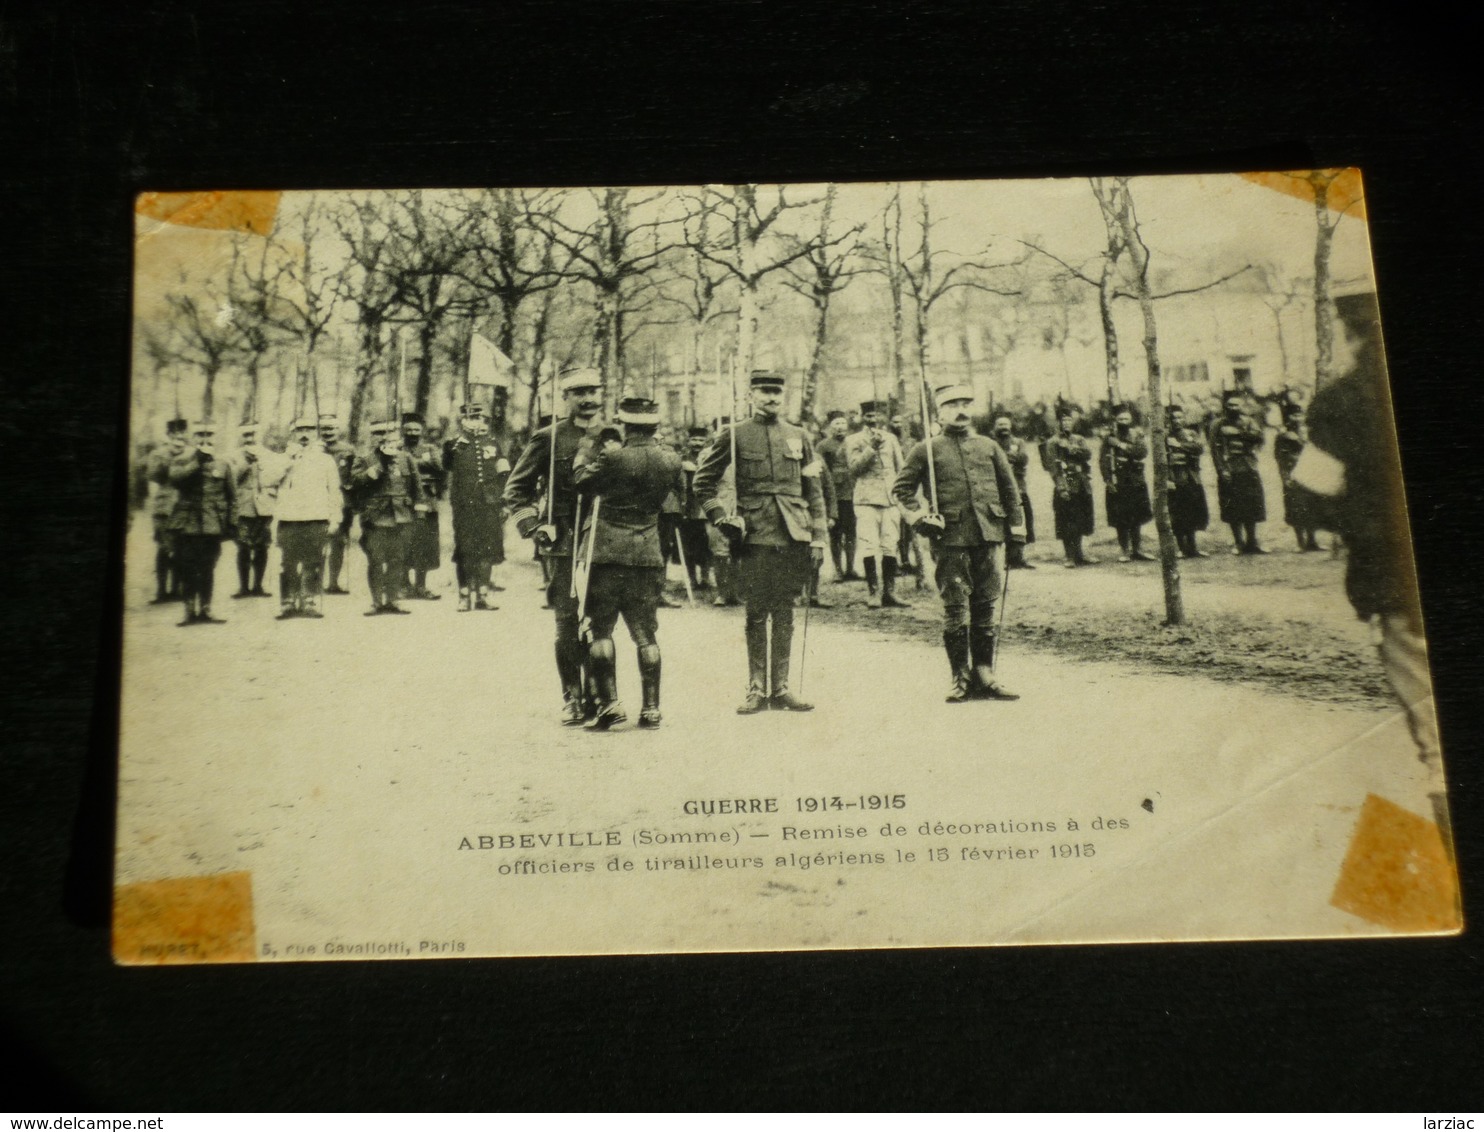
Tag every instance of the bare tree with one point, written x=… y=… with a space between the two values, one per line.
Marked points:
x=826 y=268
x=512 y=254
x=745 y=243
x=926 y=281
x=368 y=286
x=1122 y=222
x=1278 y=295
x=616 y=254
x=1326 y=220
x=205 y=336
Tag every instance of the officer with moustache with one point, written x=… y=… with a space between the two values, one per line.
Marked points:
x=257 y=469
x=624 y=488
x=544 y=472
x=476 y=469
x=1189 y=511
x=205 y=508
x=874 y=456
x=778 y=534
x=308 y=505
x=390 y=492
x=162 y=506
x=978 y=510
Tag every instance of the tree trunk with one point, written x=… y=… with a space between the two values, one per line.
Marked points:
x=1323 y=312
x=426 y=335
x=816 y=359
x=1169 y=557
x=1106 y=286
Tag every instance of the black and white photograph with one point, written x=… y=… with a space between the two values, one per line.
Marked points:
x=768 y=567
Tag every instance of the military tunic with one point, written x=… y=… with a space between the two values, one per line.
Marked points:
x=424 y=536
x=1234 y=448
x=1020 y=458
x=628 y=561
x=204 y=510
x=1299 y=505
x=1069 y=460
x=979 y=501
x=389 y=491
x=1125 y=492
x=1189 y=511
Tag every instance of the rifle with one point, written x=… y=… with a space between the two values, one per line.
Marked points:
x=927 y=440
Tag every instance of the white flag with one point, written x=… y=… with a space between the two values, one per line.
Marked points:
x=487 y=365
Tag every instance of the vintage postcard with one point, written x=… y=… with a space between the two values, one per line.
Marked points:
x=768 y=567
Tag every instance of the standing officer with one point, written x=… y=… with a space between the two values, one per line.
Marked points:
x=205 y=506
x=308 y=505
x=1069 y=460
x=476 y=468
x=778 y=534
x=1189 y=511
x=978 y=510
x=1298 y=503
x=539 y=473
x=344 y=455
x=1020 y=459
x=1236 y=440
x=257 y=471
x=875 y=458
x=720 y=546
x=390 y=491
x=423 y=536
x=842 y=535
x=632 y=479
x=162 y=506
x=1125 y=493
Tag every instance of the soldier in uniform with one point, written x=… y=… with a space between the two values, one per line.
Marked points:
x=476 y=470
x=1020 y=459
x=831 y=450
x=162 y=506
x=978 y=510
x=1069 y=460
x=778 y=534
x=875 y=458
x=344 y=455
x=423 y=536
x=390 y=490
x=693 y=524
x=308 y=505
x=257 y=469
x=205 y=507
x=720 y=546
x=552 y=531
x=1235 y=441
x=624 y=486
x=1189 y=511
x=1125 y=492
x=1298 y=502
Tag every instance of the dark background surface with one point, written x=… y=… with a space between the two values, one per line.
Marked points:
x=99 y=103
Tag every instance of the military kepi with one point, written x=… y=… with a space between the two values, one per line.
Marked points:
x=955 y=392
x=579 y=377
x=638 y=411
x=766 y=379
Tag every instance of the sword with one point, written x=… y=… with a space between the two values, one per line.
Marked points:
x=690 y=594
x=576 y=531
x=1000 y=626
x=583 y=629
x=804 y=638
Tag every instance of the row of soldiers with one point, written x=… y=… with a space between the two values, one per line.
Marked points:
x=312 y=495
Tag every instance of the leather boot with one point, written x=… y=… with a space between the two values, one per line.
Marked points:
x=601 y=662
x=956 y=644
x=873 y=592
x=889 y=599
x=757 y=669
x=982 y=656
x=569 y=672
x=649 y=681
x=783 y=638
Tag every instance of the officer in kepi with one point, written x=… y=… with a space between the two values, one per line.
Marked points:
x=549 y=521
x=978 y=511
x=778 y=533
x=476 y=469
x=205 y=509
x=390 y=493
x=624 y=485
